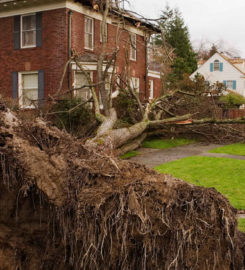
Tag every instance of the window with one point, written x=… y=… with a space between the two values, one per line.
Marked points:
x=151 y=89
x=89 y=33
x=135 y=84
x=81 y=80
x=133 y=47
x=28 y=89
x=230 y=84
x=101 y=31
x=28 y=31
x=216 y=65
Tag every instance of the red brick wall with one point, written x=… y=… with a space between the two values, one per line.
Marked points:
x=50 y=58
x=54 y=52
x=138 y=68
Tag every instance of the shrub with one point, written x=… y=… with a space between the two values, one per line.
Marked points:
x=127 y=108
x=232 y=100
x=71 y=116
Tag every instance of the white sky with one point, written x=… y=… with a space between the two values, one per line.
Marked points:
x=208 y=20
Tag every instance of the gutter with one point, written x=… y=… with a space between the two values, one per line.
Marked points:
x=69 y=48
x=146 y=66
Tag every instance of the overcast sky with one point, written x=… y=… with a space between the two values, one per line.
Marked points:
x=207 y=20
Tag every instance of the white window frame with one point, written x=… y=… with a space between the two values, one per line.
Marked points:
x=133 y=47
x=89 y=94
x=230 y=82
x=135 y=84
x=92 y=20
x=151 y=89
x=20 y=88
x=21 y=32
x=106 y=30
x=217 y=67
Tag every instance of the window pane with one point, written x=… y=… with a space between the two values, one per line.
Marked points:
x=90 y=44
x=90 y=24
x=30 y=81
x=134 y=83
x=151 y=86
x=216 y=65
x=80 y=81
x=28 y=38
x=88 y=36
x=29 y=96
x=86 y=26
x=133 y=46
x=29 y=22
x=229 y=84
x=86 y=40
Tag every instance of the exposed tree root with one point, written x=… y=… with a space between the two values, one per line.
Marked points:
x=64 y=207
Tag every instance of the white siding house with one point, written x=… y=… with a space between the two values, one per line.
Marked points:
x=220 y=68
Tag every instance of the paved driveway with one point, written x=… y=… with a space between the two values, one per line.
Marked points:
x=153 y=157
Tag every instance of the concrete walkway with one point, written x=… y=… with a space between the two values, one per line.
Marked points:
x=153 y=157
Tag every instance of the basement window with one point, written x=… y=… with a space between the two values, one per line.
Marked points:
x=28 y=31
x=28 y=89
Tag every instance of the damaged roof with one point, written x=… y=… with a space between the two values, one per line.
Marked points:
x=129 y=16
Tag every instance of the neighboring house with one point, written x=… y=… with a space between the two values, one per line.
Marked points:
x=38 y=37
x=229 y=71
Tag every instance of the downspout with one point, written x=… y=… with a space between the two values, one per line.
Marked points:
x=69 y=49
x=146 y=66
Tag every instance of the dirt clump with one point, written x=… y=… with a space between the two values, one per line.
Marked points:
x=63 y=207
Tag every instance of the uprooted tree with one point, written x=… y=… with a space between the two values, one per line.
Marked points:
x=154 y=116
x=63 y=206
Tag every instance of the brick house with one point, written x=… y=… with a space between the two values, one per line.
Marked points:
x=37 y=37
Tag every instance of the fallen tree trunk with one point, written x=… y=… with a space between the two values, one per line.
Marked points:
x=64 y=207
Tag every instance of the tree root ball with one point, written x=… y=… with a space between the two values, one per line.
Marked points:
x=64 y=207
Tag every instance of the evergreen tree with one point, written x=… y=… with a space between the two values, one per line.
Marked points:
x=177 y=35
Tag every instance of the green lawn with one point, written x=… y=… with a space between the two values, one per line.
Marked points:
x=241 y=224
x=232 y=149
x=165 y=143
x=225 y=174
x=130 y=154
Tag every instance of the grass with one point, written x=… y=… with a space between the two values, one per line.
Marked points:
x=225 y=174
x=241 y=224
x=165 y=143
x=232 y=149
x=130 y=154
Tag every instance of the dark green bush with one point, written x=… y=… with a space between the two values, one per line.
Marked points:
x=127 y=108
x=72 y=117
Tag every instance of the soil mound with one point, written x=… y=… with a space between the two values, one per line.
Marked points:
x=63 y=207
